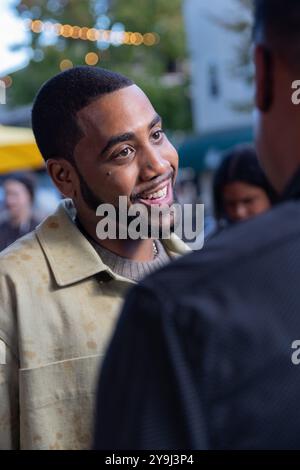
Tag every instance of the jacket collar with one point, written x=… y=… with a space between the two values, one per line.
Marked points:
x=71 y=256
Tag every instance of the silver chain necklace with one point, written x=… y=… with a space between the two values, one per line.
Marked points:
x=155 y=250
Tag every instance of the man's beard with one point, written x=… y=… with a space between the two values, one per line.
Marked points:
x=88 y=195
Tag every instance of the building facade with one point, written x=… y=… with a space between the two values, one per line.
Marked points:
x=216 y=92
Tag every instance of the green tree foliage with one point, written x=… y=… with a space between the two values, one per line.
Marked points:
x=45 y=58
x=159 y=70
x=243 y=27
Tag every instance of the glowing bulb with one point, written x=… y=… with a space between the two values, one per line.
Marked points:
x=37 y=26
x=91 y=58
x=83 y=33
x=66 y=31
x=92 y=34
x=137 y=39
x=126 y=38
x=65 y=64
x=76 y=32
x=149 y=39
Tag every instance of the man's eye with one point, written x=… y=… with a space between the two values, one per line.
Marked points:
x=157 y=135
x=125 y=152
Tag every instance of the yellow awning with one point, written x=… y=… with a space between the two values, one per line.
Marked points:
x=18 y=150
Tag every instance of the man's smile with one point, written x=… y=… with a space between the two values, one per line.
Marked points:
x=161 y=192
x=162 y=195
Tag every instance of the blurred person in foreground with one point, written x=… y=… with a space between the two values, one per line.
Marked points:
x=19 y=189
x=204 y=356
x=240 y=187
x=61 y=286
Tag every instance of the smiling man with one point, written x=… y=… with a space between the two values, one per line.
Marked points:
x=61 y=287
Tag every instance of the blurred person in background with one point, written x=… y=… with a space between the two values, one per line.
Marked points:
x=19 y=192
x=206 y=351
x=240 y=187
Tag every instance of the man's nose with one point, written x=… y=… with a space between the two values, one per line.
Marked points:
x=153 y=164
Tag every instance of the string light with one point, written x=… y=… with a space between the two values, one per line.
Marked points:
x=92 y=58
x=136 y=39
x=150 y=39
x=37 y=26
x=83 y=33
x=76 y=32
x=65 y=64
x=66 y=31
x=93 y=34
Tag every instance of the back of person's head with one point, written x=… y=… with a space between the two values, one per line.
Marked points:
x=277 y=65
x=239 y=164
x=54 y=113
x=277 y=24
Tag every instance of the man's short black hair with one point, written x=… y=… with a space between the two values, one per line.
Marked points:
x=277 y=25
x=54 y=120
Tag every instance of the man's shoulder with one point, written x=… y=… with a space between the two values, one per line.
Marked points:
x=258 y=240
x=24 y=249
x=28 y=252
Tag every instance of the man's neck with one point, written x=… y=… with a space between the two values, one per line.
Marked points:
x=135 y=250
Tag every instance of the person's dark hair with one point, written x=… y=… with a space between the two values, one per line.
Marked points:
x=54 y=112
x=277 y=25
x=239 y=164
x=27 y=179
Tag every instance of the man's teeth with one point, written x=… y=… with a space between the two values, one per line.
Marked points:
x=159 y=194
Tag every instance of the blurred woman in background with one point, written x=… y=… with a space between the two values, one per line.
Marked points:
x=19 y=189
x=240 y=189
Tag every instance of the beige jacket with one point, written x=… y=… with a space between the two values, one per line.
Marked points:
x=58 y=306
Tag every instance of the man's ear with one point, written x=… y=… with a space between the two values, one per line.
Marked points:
x=263 y=78
x=62 y=174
